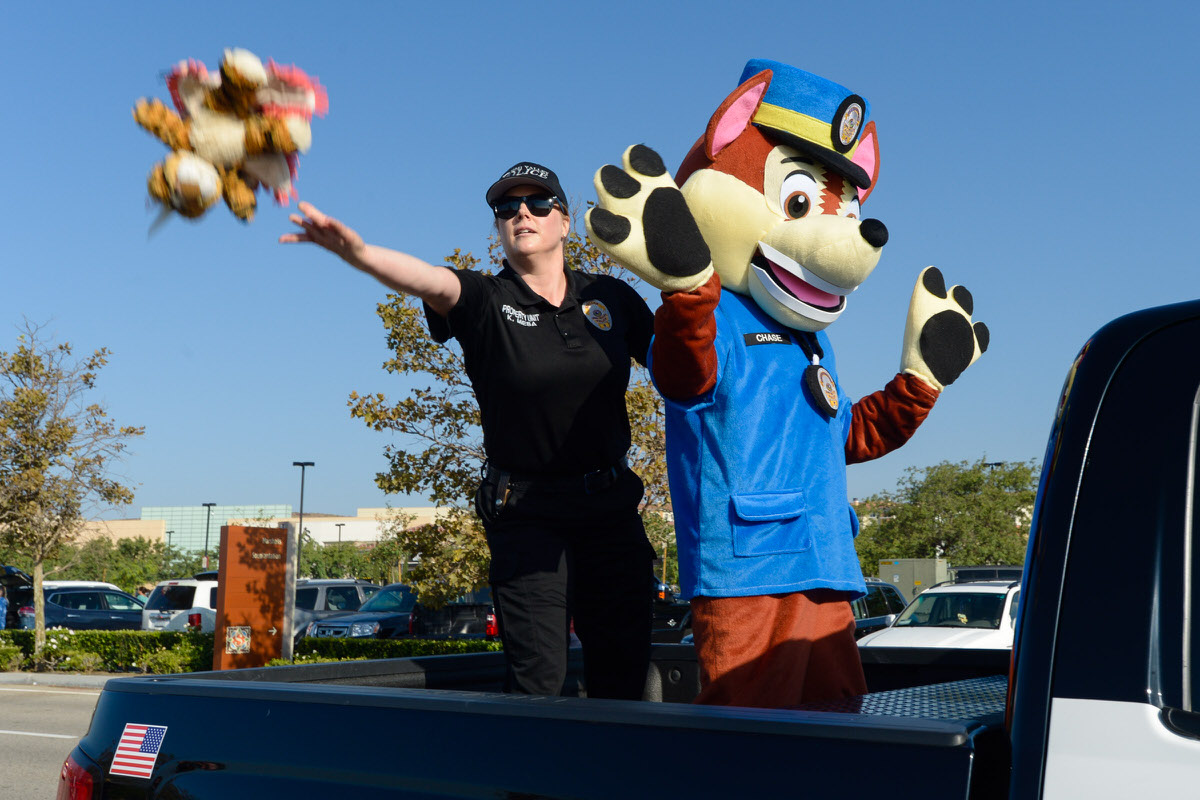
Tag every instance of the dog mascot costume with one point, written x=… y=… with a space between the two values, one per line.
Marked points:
x=755 y=245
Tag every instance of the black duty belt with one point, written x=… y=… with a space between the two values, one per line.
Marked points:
x=592 y=482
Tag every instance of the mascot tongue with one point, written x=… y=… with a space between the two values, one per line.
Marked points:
x=804 y=291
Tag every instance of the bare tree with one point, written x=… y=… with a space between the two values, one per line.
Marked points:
x=57 y=451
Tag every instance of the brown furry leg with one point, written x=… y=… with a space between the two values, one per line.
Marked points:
x=775 y=651
x=239 y=195
x=163 y=122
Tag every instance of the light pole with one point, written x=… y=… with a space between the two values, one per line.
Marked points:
x=289 y=590
x=207 y=520
x=339 y=527
x=169 y=538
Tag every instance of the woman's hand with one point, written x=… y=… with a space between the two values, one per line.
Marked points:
x=327 y=232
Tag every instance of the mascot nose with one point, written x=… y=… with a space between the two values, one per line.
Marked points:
x=874 y=231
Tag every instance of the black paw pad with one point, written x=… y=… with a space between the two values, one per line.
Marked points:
x=934 y=283
x=673 y=241
x=983 y=336
x=964 y=299
x=618 y=183
x=608 y=226
x=646 y=161
x=947 y=345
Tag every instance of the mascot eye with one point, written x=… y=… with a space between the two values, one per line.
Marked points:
x=796 y=205
x=796 y=193
x=853 y=209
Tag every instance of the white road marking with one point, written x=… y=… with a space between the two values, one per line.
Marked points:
x=46 y=735
x=48 y=691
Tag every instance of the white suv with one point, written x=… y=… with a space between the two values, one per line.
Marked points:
x=978 y=615
x=175 y=605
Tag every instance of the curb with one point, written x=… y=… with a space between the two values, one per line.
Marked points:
x=60 y=679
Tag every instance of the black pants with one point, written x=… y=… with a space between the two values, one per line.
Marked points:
x=559 y=552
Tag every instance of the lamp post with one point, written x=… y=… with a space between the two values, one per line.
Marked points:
x=289 y=590
x=169 y=538
x=339 y=527
x=207 y=520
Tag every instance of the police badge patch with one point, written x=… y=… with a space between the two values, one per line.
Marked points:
x=822 y=388
x=597 y=314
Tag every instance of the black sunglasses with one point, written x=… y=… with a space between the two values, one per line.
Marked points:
x=538 y=204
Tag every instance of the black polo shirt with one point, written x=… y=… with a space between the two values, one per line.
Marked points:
x=550 y=381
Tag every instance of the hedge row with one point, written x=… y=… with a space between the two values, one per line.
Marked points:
x=346 y=649
x=162 y=652
x=115 y=651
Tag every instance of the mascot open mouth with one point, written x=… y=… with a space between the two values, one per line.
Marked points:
x=785 y=273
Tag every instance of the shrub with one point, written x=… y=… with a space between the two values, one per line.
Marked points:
x=11 y=656
x=165 y=652
x=347 y=649
x=72 y=660
x=117 y=651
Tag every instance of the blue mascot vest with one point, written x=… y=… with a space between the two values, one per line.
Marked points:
x=758 y=472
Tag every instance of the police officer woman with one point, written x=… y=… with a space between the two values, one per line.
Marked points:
x=547 y=351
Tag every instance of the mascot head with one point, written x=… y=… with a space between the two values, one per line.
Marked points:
x=776 y=185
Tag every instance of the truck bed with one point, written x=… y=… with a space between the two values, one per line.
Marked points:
x=438 y=727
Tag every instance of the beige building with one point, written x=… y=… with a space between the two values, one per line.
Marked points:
x=365 y=527
x=114 y=529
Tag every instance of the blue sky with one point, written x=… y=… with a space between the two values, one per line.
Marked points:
x=1039 y=153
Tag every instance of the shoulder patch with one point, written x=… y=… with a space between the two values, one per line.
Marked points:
x=597 y=313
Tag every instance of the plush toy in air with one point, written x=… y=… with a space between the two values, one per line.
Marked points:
x=756 y=244
x=230 y=131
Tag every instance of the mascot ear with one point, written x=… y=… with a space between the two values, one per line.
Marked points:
x=735 y=114
x=867 y=157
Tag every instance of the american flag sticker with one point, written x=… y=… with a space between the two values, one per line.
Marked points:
x=138 y=750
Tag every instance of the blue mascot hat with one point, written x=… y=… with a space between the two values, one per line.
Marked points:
x=816 y=116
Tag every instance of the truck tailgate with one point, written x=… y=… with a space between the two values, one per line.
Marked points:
x=282 y=739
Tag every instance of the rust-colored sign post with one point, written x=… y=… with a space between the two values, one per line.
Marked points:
x=250 y=627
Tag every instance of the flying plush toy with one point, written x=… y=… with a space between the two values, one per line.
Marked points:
x=230 y=132
x=756 y=245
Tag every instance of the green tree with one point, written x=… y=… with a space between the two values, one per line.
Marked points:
x=57 y=452
x=661 y=533
x=129 y=563
x=438 y=451
x=967 y=513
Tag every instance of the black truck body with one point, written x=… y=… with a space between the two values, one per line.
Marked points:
x=1096 y=699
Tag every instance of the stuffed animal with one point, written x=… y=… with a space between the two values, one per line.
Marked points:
x=756 y=245
x=230 y=131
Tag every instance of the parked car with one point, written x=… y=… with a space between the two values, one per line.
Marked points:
x=978 y=615
x=82 y=607
x=317 y=598
x=468 y=616
x=394 y=612
x=877 y=608
x=387 y=615
x=80 y=585
x=175 y=604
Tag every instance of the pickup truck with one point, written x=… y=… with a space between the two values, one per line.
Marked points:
x=1096 y=699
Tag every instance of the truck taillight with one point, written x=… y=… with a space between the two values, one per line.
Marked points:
x=412 y=624
x=194 y=621
x=74 y=782
x=27 y=610
x=491 y=628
